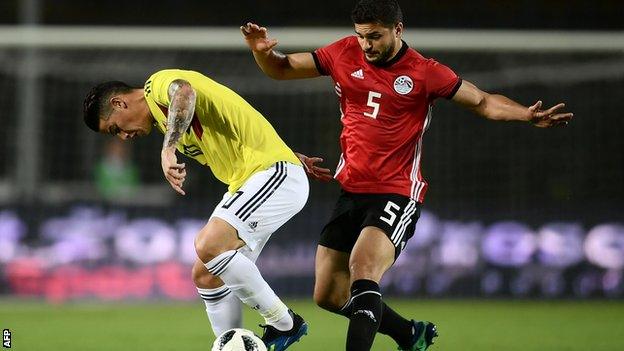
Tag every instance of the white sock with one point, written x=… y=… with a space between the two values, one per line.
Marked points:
x=223 y=309
x=284 y=323
x=243 y=278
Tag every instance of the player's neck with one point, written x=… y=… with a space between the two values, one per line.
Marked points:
x=399 y=49
x=138 y=97
x=398 y=44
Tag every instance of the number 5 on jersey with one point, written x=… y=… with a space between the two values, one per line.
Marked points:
x=375 y=105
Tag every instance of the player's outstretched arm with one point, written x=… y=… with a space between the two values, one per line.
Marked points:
x=314 y=171
x=274 y=63
x=501 y=108
x=181 y=109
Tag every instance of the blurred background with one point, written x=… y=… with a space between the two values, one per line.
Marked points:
x=512 y=211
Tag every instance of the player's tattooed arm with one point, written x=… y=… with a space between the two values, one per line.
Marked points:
x=181 y=109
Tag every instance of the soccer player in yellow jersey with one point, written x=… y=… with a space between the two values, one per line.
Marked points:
x=267 y=184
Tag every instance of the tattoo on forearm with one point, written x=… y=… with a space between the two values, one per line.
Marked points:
x=181 y=109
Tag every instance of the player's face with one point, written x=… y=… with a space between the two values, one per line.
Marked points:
x=379 y=43
x=126 y=121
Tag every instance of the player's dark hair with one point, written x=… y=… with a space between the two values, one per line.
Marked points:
x=96 y=102
x=385 y=12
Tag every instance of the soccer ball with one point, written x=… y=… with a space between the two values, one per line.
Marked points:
x=238 y=340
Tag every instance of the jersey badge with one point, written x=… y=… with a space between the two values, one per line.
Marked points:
x=359 y=74
x=403 y=85
x=253 y=225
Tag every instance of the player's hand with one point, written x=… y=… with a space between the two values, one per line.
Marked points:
x=552 y=117
x=315 y=172
x=256 y=38
x=174 y=172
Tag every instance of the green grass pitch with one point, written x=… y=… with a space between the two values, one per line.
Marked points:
x=463 y=325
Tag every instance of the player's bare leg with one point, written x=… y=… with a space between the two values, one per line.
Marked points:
x=372 y=255
x=223 y=307
x=216 y=246
x=332 y=293
x=332 y=279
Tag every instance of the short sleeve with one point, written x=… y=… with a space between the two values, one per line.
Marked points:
x=157 y=86
x=325 y=57
x=441 y=81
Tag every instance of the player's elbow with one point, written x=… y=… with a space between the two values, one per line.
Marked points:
x=282 y=70
x=480 y=103
x=483 y=107
x=277 y=75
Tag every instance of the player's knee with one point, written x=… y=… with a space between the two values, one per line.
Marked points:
x=365 y=270
x=216 y=238
x=207 y=247
x=328 y=301
x=321 y=300
x=203 y=279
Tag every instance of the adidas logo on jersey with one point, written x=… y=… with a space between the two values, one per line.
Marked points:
x=359 y=74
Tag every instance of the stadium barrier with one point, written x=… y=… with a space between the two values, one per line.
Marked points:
x=89 y=252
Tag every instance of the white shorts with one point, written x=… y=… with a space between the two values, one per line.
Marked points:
x=266 y=201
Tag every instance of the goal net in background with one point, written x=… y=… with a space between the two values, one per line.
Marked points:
x=504 y=198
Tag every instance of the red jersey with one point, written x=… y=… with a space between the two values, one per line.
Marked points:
x=385 y=109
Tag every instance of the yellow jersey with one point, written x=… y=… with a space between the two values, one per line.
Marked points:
x=226 y=133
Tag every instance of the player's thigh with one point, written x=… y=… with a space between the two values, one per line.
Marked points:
x=331 y=286
x=393 y=214
x=216 y=237
x=372 y=255
x=266 y=201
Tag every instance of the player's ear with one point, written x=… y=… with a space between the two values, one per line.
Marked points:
x=118 y=103
x=398 y=29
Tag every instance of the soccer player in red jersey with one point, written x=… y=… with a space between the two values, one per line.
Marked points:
x=386 y=90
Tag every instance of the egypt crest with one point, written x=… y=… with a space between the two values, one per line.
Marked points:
x=403 y=85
